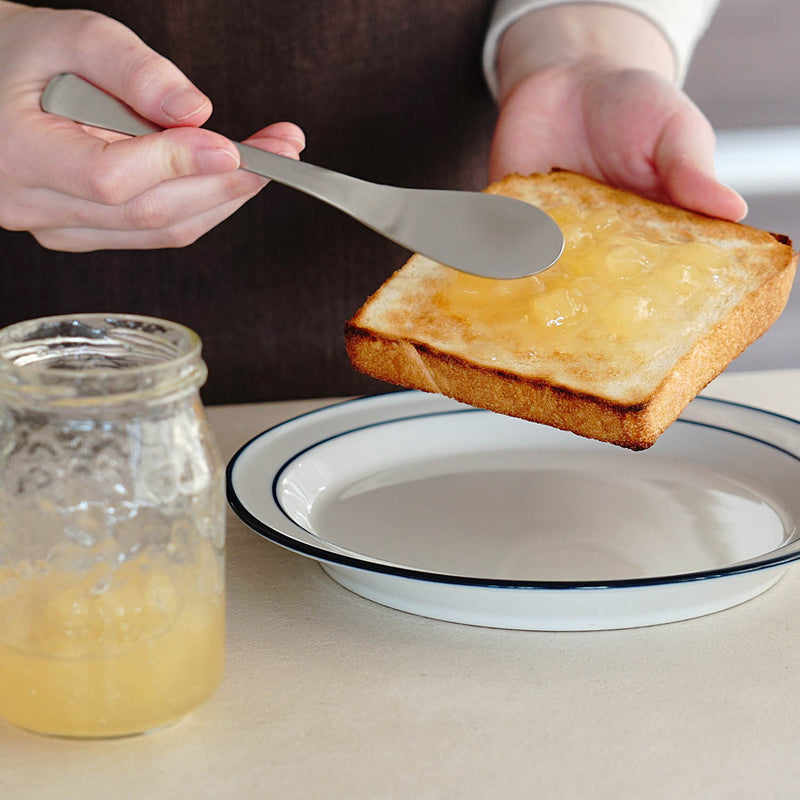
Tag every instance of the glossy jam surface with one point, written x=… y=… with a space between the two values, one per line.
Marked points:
x=615 y=281
x=109 y=654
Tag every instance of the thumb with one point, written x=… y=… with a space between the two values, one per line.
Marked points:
x=684 y=159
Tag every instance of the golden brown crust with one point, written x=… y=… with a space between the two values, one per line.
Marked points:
x=636 y=423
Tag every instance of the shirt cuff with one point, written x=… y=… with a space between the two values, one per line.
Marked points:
x=682 y=22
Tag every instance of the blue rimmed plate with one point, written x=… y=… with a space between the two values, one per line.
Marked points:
x=439 y=509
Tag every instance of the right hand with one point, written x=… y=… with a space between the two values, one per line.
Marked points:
x=77 y=188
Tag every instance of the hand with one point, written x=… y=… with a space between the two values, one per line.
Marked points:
x=77 y=188
x=617 y=120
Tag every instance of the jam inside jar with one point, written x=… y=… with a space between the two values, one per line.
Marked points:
x=112 y=526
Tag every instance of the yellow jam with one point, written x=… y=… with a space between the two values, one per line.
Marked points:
x=615 y=281
x=108 y=655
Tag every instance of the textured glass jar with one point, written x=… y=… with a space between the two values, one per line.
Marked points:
x=111 y=526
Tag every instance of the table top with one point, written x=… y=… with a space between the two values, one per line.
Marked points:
x=329 y=695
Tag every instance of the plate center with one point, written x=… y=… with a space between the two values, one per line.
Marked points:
x=544 y=516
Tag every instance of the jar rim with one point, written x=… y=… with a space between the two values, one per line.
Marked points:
x=95 y=353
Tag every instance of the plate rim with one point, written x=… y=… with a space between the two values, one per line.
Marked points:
x=780 y=556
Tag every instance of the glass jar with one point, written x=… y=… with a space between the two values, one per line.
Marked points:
x=112 y=529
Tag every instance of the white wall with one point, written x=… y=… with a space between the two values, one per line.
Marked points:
x=746 y=77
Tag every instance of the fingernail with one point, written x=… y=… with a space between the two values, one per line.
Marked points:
x=298 y=142
x=216 y=159
x=180 y=104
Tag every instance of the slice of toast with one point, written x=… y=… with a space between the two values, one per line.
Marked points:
x=647 y=304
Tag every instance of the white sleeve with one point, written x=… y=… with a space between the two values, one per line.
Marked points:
x=682 y=22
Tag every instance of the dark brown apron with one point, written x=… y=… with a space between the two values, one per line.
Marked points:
x=389 y=90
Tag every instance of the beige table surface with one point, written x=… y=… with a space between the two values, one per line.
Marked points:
x=328 y=695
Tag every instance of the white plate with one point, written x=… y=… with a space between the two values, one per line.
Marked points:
x=429 y=506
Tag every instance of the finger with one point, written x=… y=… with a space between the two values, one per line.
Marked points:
x=277 y=134
x=171 y=204
x=696 y=189
x=188 y=231
x=684 y=159
x=67 y=160
x=64 y=158
x=163 y=206
x=148 y=220
x=113 y=57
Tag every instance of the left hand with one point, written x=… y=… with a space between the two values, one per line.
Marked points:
x=590 y=87
x=630 y=128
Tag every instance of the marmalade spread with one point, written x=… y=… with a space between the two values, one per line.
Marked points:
x=615 y=280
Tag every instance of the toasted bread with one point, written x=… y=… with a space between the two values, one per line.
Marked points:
x=648 y=304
